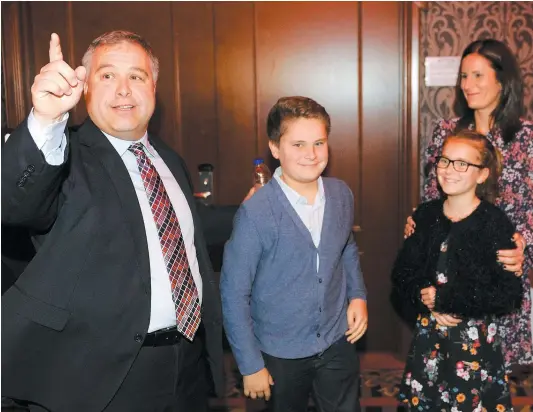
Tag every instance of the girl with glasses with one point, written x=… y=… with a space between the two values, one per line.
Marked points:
x=448 y=267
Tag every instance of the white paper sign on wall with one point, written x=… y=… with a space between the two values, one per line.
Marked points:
x=441 y=70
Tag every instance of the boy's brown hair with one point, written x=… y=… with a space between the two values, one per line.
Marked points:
x=290 y=108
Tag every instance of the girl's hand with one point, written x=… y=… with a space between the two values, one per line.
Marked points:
x=427 y=296
x=446 y=320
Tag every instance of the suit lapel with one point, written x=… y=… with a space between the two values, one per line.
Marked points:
x=93 y=138
x=210 y=301
x=177 y=170
x=183 y=179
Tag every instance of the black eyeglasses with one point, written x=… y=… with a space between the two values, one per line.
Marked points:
x=459 y=165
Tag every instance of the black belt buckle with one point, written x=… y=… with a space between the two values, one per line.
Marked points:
x=163 y=337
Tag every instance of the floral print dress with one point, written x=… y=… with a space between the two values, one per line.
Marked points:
x=457 y=369
x=516 y=200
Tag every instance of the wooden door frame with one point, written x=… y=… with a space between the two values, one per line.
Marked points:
x=410 y=144
x=17 y=62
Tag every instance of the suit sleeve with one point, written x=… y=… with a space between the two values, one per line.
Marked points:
x=481 y=286
x=241 y=258
x=409 y=271
x=50 y=140
x=350 y=260
x=31 y=187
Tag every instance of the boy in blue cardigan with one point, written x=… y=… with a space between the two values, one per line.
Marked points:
x=293 y=296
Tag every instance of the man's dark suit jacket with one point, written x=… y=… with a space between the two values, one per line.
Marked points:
x=75 y=320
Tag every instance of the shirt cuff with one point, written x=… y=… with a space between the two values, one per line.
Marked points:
x=353 y=296
x=50 y=140
x=251 y=366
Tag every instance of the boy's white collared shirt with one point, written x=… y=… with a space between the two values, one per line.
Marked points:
x=312 y=216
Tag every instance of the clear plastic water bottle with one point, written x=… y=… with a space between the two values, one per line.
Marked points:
x=261 y=172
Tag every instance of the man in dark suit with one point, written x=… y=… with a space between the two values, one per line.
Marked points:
x=119 y=310
x=17 y=252
x=17 y=248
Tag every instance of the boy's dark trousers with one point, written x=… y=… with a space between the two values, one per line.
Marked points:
x=332 y=377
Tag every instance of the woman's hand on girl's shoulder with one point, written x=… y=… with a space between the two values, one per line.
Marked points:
x=409 y=228
x=512 y=259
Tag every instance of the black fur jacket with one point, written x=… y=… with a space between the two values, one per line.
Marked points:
x=476 y=284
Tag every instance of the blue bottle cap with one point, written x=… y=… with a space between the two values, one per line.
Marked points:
x=258 y=161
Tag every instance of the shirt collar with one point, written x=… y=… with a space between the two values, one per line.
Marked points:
x=293 y=196
x=122 y=146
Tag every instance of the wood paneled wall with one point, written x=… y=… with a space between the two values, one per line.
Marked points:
x=224 y=64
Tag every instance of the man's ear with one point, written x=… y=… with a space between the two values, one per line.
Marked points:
x=274 y=149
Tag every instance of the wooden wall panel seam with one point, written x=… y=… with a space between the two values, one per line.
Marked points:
x=12 y=64
x=408 y=153
x=217 y=176
x=70 y=42
x=177 y=118
x=28 y=68
x=256 y=94
x=415 y=104
x=403 y=144
x=359 y=195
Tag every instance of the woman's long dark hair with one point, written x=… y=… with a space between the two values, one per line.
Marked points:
x=510 y=108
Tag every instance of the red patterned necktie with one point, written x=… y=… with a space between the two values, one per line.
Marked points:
x=184 y=292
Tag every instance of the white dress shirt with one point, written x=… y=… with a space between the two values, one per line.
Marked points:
x=312 y=216
x=52 y=142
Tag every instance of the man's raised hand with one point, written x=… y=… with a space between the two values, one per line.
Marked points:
x=57 y=88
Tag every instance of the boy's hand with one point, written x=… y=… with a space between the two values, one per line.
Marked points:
x=251 y=192
x=257 y=385
x=512 y=259
x=357 y=320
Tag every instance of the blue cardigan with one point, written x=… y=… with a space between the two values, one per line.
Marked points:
x=273 y=298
